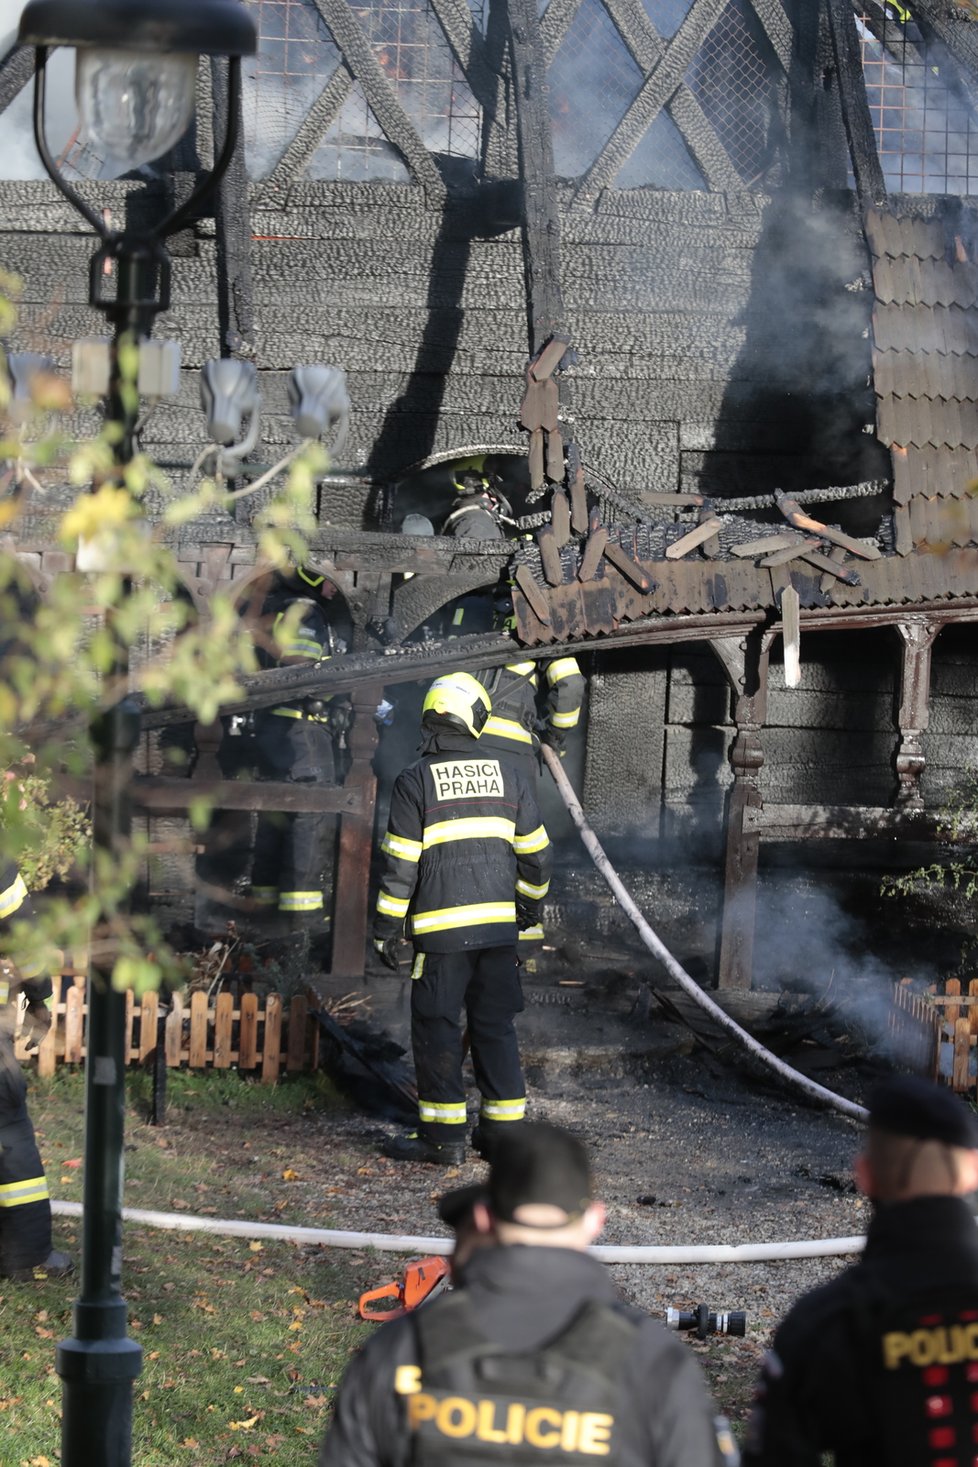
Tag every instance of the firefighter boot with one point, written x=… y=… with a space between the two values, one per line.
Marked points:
x=418 y=1148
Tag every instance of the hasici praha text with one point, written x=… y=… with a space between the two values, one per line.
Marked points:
x=467 y=779
x=503 y=1422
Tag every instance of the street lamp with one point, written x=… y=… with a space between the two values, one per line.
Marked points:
x=135 y=101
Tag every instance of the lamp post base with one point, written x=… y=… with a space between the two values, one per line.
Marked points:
x=96 y=1397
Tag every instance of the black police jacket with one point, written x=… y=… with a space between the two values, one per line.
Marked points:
x=867 y=1364
x=521 y=1298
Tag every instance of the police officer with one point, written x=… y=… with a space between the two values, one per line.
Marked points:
x=533 y=1358
x=295 y=850
x=466 y=864
x=881 y=1365
x=25 y=1207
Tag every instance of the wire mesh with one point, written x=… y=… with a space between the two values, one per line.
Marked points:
x=925 y=126
x=593 y=79
x=296 y=57
x=732 y=80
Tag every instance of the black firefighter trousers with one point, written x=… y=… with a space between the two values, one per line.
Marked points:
x=25 y=1211
x=485 y=983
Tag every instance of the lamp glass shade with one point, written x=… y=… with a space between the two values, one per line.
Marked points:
x=134 y=105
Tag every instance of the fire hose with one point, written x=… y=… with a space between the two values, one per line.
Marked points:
x=184 y=1222
x=674 y=967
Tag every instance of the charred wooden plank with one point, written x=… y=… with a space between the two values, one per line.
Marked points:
x=628 y=567
x=796 y=516
x=662 y=496
x=767 y=545
x=560 y=517
x=534 y=595
x=791 y=635
x=555 y=455
x=837 y=554
x=693 y=538
x=593 y=551
x=822 y=562
x=160 y=793
x=550 y=555
x=549 y=357
x=790 y=552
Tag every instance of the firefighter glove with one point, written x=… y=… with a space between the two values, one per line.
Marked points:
x=554 y=739
x=386 y=949
x=527 y=913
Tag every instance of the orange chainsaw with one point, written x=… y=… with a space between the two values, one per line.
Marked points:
x=423 y=1280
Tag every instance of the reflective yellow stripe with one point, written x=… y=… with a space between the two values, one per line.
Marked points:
x=528 y=845
x=400 y=846
x=17 y=1194
x=532 y=934
x=520 y=667
x=444 y=918
x=300 y=901
x=449 y=1113
x=507 y=728
x=563 y=667
x=13 y=896
x=538 y=892
x=298 y=713
x=565 y=720
x=418 y=968
x=303 y=647
x=310 y=580
x=264 y=896
x=503 y=1110
x=4 y=991
x=477 y=827
x=459 y=616
x=392 y=906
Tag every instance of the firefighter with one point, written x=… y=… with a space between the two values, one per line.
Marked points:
x=534 y=1358
x=25 y=1207
x=295 y=850
x=479 y=508
x=466 y=865
x=514 y=726
x=880 y=1364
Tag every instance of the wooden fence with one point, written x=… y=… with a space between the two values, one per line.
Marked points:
x=936 y=1034
x=263 y=1036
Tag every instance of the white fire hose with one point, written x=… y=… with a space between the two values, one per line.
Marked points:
x=675 y=968
x=182 y=1222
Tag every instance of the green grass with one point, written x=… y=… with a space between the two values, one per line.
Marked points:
x=243 y=1343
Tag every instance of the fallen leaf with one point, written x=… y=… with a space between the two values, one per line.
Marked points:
x=289 y=1175
x=75 y=1161
x=240 y=1425
x=316 y=1401
x=254 y=1246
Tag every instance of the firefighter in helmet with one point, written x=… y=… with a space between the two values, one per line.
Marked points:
x=25 y=1207
x=466 y=865
x=292 y=872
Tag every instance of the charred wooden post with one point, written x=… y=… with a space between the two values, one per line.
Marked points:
x=917 y=634
x=351 y=887
x=746 y=665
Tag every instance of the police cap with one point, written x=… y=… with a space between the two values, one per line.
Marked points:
x=906 y=1105
x=455 y=1207
x=536 y=1162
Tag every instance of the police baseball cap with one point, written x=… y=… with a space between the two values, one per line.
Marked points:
x=455 y=1207
x=535 y=1162
x=906 y=1105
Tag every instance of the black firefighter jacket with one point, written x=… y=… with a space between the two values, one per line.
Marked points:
x=464 y=841
x=824 y=1389
x=523 y=1297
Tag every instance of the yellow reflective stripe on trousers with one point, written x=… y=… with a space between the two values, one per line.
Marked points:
x=449 y=1113
x=508 y=728
x=18 y=1194
x=525 y=888
x=300 y=901
x=444 y=918
x=503 y=1110
x=418 y=969
x=565 y=720
x=13 y=896
x=563 y=667
x=400 y=846
x=474 y=827
x=392 y=906
x=536 y=840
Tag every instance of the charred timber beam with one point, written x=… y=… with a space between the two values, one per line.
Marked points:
x=860 y=134
x=160 y=794
x=849 y=822
x=745 y=662
x=363 y=550
x=352 y=884
x=541 y=214
x=16 y=70
x=913 y=715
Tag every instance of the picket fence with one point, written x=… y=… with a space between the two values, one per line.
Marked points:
x=936 y=1034
x=264 y=1036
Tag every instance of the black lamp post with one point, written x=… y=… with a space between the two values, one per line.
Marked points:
x=136 y=68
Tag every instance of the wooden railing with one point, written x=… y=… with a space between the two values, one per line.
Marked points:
x=936 y=1034
x=263 y=1036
